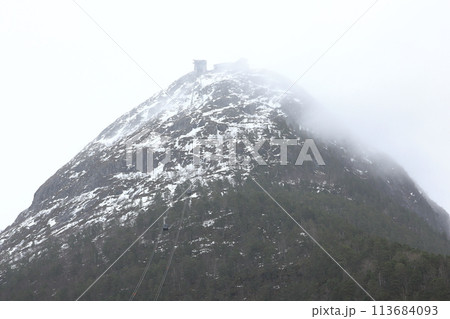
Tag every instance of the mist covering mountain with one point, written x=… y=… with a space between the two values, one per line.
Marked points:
x=227 y=238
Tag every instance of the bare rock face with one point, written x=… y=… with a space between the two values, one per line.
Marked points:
x=99 y=188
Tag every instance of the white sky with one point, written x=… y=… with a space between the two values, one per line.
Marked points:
x=62 y=80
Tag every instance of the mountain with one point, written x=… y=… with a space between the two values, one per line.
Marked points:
x=197 y=149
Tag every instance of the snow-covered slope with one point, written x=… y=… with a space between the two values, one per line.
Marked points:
x=98 y=188
x=97 y=184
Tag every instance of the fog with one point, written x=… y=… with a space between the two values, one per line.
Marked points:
x=63 y=80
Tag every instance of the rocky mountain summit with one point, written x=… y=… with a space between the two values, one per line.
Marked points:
x=211 y=131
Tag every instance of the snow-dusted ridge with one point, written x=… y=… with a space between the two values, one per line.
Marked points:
x=97 y=188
